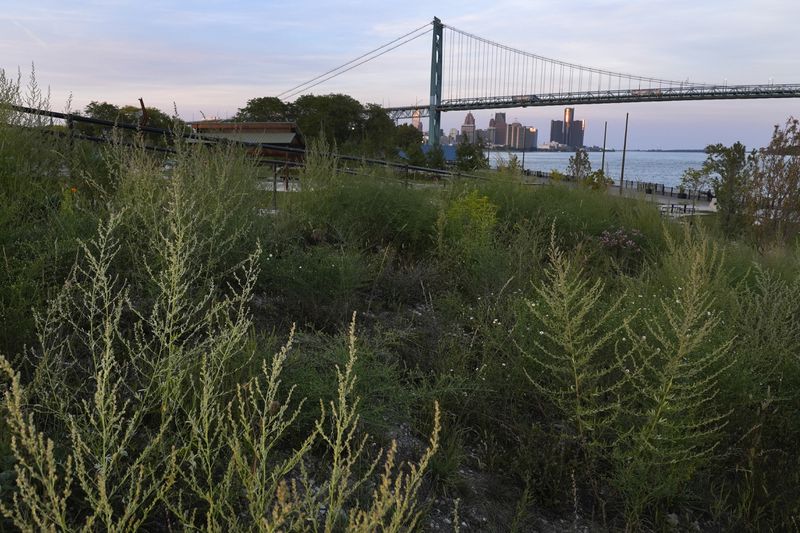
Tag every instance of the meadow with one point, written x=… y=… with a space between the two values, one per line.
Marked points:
x=374 y=356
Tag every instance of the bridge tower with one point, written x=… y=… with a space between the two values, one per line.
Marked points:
x=437 y=57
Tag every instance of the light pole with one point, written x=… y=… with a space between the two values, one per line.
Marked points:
x=624 y=149
x=603 y=159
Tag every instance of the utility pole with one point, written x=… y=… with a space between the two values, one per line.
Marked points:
x=624 y=149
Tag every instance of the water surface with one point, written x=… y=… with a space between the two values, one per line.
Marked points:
x=654 y=167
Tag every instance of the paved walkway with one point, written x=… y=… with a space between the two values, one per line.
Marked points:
x=671 y=204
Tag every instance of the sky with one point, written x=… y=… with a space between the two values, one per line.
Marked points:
x=207 y=58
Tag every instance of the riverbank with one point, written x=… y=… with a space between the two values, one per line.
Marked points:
x=664 y=168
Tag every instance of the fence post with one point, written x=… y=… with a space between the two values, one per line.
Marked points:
x=71 y=134
x=274 y=186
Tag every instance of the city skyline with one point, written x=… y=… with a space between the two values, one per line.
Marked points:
x=498 y=133
x=209 y=59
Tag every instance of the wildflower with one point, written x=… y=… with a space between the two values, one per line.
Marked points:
x=73 y=189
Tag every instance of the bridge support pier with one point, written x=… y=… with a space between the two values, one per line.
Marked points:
x=437 y=57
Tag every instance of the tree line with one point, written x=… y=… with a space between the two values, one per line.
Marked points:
x=757 y=192
x=344 y=122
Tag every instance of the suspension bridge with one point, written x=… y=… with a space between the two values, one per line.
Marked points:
x=469 y=72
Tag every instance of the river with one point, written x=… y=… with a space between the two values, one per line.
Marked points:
x=654 y=167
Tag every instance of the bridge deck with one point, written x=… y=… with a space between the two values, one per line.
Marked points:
x=662 y=94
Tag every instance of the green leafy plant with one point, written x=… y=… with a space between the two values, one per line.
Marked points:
x=671 y=426
x=573 y=367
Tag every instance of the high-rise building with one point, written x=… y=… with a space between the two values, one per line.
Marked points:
x=500 y=129
x=557 y=132
x=530 y=138
x=522 y=137
x=569 y=118
x=514 y=135
x=452 y=136
x=576 y=131
x=468 y=128
x=491 y=132
x=568 y=131
x=415 y=120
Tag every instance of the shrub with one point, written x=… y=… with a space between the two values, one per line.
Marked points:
x=370 y=215
x=465 y=238
x=190 y=192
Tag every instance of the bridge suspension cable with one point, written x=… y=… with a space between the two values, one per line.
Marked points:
x=358 y=61
x=478 y=68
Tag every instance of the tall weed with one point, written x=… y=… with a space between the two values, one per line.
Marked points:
x=576 y=368
x=672 y=426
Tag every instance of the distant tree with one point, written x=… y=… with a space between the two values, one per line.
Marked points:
x=263 y=109
x=435 y=157
x=731 y=176
x=407 y=135
x=338 y=116
x=597 y=180
x=379 y=132
x=128 y=114
x=155 y=117
x=579 y=166
x=103 y=111
x=695 y=180
x=510 y=167
x=415 y=156
x=774 y=200
x=470 y=156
